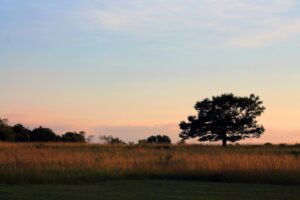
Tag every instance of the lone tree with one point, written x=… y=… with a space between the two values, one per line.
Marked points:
x=224 y=118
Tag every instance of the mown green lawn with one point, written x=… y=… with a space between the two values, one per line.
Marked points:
x=150 y=189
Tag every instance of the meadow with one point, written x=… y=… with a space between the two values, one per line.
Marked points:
x=61 y=163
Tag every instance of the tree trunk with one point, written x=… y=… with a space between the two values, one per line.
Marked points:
x=224 y=140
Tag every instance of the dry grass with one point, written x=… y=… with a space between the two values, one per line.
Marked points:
x=75 y=163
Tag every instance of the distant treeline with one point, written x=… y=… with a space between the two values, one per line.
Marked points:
x=19 y=133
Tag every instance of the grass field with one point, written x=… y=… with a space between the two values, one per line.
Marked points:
x=150 y=189
x=86 y=163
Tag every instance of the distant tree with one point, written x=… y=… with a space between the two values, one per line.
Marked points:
x=159 y=139
x=22 y=134
x=44 y=135
x=73 y=137
x=224 y=118
x=6 y=132
x=108 y=139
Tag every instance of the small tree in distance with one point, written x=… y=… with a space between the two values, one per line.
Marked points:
x=73 y=137
x=42 y=134
x=22 y=133
x=159 y=139
x=6 y=132
x=108 y=139
x=224 y=118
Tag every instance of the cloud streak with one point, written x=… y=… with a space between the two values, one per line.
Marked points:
x=243 y=23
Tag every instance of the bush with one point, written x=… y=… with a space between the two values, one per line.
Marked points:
x=111 y=140
x=159 y=139
x=73 y=137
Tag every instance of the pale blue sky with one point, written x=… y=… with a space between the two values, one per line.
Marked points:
x=107 y=65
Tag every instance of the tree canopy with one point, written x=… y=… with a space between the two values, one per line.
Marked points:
x=42 y=134
x=224 y=118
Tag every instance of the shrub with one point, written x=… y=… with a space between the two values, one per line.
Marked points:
x=73 y=137
x=159 y=139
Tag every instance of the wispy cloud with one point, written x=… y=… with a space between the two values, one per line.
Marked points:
x=244 y=23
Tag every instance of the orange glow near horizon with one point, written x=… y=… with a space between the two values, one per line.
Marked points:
x=281 y=125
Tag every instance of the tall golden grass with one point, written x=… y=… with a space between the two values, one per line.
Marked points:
x=76 y=163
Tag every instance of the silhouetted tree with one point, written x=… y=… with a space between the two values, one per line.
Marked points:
x=22 y=133
x=43 y=135
x=159 y=139
x=6 y=132
x=224 y=118
x=73 y=137
x=111 y=140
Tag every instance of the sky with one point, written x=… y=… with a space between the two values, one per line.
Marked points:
x=134 y=68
